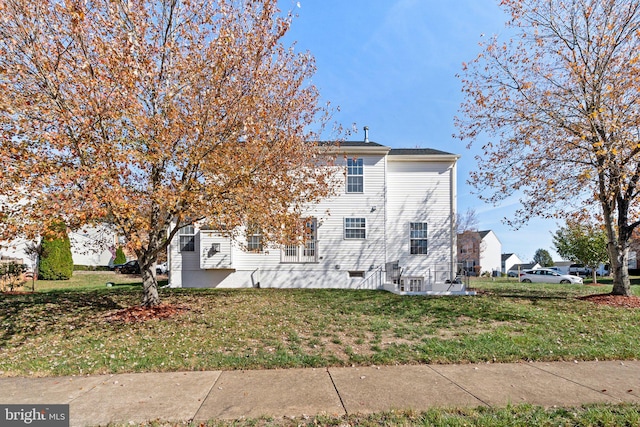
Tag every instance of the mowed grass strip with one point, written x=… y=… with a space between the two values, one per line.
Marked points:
x=69 y=332
x=524 y=415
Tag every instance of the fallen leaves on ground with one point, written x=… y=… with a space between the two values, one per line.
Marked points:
x=613 y=300
x=142 y=314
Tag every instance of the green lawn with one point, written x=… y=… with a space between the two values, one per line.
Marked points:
x=512 y=416
x=66 y=331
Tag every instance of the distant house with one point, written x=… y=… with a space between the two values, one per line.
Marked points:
x=479 y=251
x=390 y=226
x=517 y=268
x=91 y=246
x=508 y=261
x=562 y=267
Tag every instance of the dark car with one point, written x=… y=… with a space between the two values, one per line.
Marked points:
x=131 y=267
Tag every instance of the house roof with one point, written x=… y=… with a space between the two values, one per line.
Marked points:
x=524 y=266
x=351 y=143
x=396 y=154
x=506 y=256
x=417 y=151
x=484 y=233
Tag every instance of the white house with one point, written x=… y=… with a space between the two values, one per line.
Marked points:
x=480 y=251
x=90 y=246
x=508 y=261
x=389 y=226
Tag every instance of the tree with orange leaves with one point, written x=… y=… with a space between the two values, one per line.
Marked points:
x=150 y=115
x=559 y=103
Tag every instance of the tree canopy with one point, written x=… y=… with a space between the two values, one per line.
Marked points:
x=583 y=243
x=150 y=115
x=543 y=257
x=557 y=109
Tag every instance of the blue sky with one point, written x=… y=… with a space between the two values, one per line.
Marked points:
x=391 y=65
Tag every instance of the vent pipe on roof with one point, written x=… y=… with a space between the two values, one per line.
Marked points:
x=366 y=134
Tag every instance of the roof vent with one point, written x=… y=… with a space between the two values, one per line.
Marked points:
x=366 y=134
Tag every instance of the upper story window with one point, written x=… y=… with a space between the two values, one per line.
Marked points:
x=355 y=228
x=355 y=176
x=187 y=238
x=418 y=238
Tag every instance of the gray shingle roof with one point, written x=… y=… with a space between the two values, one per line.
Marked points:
x=417 y=151
x=351 y=143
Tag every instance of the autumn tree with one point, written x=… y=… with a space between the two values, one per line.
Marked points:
x=583 y=243
x=543 y=257
x=556 y=106
x=150 y=115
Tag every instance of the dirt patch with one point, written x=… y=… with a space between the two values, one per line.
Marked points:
x=613 y=300
x=142 y=314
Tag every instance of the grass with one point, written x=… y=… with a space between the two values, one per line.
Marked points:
x=512 y=416
x=58 y=331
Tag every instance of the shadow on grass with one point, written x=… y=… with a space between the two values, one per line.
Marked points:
x=29 y=314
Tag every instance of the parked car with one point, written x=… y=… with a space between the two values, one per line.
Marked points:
x=162 y=268
x=544 y=275
x=130 y=267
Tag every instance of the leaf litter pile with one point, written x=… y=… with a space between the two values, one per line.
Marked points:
x=142 y=314
x=613 y=300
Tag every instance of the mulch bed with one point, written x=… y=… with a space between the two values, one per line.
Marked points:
x=613 y=300
x=142 y=314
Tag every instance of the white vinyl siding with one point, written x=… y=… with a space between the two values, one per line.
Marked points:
x=419 y=192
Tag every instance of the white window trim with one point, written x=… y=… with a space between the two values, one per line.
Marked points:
x=365 y=228
x=408 y=283
x=181 y=234
x=346 y=184
x=411 y=239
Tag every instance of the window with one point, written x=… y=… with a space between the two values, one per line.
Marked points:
x=355 y=176
x=254 y=239
x=356 y=274
x=411 y=284
x=187 y=238
x=307 y=251
x=355 y=228
x=418 y=238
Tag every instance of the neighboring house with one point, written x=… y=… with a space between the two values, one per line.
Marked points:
x=390 y=226
x=517 y=268
x=92 y=246
x=562 y=267
x=508 y=261
x=479 y=251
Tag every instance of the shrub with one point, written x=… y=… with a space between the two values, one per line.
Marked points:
x=120 y=257
x=56 y=262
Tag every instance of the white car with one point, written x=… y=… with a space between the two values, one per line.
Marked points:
x=544 y=275
x=161 y=268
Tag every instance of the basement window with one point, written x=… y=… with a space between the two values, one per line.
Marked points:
x=356 y=274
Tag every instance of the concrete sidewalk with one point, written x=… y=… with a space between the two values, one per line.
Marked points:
x=199 y=396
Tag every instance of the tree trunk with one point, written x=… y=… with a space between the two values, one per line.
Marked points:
x=150 y=295
x=618 y=247
x=619 y=255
